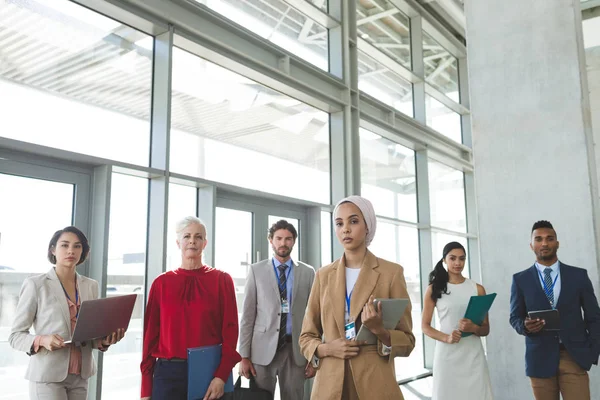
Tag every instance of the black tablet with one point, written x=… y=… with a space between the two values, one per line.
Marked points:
x=550 y=316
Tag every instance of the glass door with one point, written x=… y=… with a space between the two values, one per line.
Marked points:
x=35 y=202
x=241 y=237
x=241 y=230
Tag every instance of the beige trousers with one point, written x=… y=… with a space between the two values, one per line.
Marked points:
x=572 y=382
x=74 y=387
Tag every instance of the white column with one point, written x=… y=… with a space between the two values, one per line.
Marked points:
x=533 y=155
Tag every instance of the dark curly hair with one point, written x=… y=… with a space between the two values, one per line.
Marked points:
x=282 y=224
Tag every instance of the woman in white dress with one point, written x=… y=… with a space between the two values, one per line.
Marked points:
x=460 y=370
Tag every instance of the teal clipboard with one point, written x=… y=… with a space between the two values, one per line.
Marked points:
x=478 y=308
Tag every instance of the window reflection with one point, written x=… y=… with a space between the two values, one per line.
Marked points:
x=441 y=67
x=230 y=129
x=23 y=254
x=443 y=119
x=385 y=27
x=280 y=23
x=125 y=275
x=80 y=67
x=447 y=197
x=400 y=244
x=384 y=85
x=182 y=203
x=388 y=176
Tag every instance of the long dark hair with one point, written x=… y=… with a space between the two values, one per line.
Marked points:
x=438 y=278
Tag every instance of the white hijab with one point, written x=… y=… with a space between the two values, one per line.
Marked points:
x=368 y=213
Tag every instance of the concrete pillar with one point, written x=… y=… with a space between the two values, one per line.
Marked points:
x=533 y=155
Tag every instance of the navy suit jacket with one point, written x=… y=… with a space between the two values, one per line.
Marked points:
x=579 y=333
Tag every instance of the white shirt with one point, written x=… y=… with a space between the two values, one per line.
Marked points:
x=351 y=278
x=553 y=275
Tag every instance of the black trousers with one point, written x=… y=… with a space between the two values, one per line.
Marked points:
x=170 y=380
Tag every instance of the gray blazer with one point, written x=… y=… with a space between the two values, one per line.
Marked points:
x=42 y=303
x=261 y=313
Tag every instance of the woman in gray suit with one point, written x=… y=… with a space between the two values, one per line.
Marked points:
x=50 y=303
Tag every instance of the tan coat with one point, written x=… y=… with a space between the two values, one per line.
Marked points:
x=373 y=374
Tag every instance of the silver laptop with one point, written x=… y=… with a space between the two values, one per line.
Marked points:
x=392 y=311
x=99 y=318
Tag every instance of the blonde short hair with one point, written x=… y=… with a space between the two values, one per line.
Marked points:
x=185 y=222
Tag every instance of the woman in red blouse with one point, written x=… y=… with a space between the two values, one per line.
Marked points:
x=192 y=306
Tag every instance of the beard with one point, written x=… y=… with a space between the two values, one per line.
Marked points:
x=282 y=251
x=547 y=256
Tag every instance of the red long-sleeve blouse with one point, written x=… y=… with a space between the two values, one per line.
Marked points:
x=186 y=309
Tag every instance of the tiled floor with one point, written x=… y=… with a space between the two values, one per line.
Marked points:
x=418 y=390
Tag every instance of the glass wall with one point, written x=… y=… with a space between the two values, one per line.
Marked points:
x=388 y=176
x=441 y=68
x=248 y=127
x=26 y=227
x=447 y=197
x=265 y=134
x=279 y=22
x=125 y=275
x=400 y=244
x=81 y=67
x=182 y=203
x=386 y=28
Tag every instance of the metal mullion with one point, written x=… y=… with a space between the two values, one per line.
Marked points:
x=418 y=67
x=314 y=13
x=445 y=100
x=387 y=61
x=425 y=239
x=158 y=194
x=100 y=222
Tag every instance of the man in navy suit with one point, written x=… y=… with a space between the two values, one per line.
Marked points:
x=556 y=361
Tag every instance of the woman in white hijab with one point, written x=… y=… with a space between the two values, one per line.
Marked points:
x=341 y=300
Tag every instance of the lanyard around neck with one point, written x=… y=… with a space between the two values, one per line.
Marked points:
x=76 y=294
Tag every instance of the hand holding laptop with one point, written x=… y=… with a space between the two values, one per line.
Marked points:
x=113 y=338
x=372 y=317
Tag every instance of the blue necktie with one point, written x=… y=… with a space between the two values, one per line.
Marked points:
x=548 y=289
x=283 y=294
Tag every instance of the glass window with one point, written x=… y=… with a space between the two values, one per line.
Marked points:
x=439 y=240
x=82 y=83
x=388 y=176
x=384 y=85
x=443 y=119
x=236 y=259
x=441 y=68
x=23 y=254
x=294 y=221
x=326 y=239
x=267 y=137
x=447 y=197
x=321 y=4
x=380 y=23
x=400 y=244
x=182 y=203
x=125 y=275
x=280 y=23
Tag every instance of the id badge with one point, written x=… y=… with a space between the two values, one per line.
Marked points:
x=285 y=306
x=350 y=331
